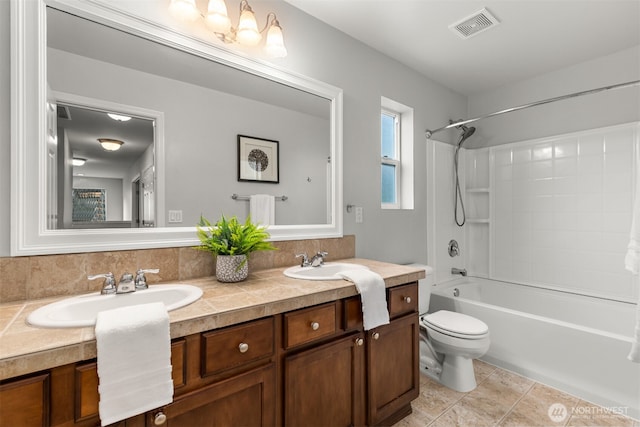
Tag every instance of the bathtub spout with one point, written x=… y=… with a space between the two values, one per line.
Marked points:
x=460 y=271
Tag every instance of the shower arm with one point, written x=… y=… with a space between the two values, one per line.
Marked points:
x=429 y=133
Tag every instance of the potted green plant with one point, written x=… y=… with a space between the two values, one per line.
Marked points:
x=230 y=241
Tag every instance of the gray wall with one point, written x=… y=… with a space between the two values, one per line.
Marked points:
x=586 y=112
x=365 y=75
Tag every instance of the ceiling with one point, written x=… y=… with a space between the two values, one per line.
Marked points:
x=534 y=36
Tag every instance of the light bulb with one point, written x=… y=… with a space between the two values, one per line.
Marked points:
x=217 y=19
x=185 y=10
x=248 y=33
x=274 y=45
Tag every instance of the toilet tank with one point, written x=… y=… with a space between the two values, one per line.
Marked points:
x=424 y=287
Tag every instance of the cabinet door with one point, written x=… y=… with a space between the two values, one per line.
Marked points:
x=324 y=386
x=247 y=400
x=393 y=367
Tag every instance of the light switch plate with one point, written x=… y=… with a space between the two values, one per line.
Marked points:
x=175 y=217
x=359 y=218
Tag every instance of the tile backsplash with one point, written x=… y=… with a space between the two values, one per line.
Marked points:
x=34 y=277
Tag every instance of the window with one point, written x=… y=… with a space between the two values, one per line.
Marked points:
x=396 y=155
x=390 y=158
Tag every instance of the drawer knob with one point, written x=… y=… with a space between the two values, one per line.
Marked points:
x=243 y=347
x=376 y=335
x=407 y=300
x=159 y=418
x=359 y=341
x=315 y=326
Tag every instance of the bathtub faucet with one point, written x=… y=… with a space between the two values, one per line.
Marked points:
x=460 y=271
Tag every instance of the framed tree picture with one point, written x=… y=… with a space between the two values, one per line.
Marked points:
x=258 y=160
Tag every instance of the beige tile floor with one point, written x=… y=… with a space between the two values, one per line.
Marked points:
x=503 y=398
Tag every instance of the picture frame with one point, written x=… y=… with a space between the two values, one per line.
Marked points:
x=258 y=160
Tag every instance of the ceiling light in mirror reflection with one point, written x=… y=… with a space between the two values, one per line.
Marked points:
x=110 y=144
x=247 y=32
x=78 y=161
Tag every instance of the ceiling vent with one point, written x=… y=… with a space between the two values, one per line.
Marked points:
x=474 y=24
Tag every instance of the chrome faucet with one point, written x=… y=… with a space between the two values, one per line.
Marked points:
x=460 y=271
x=141 y=280
x=127 y=282
x=109 y=285
x=316 y=261
x=305 y=261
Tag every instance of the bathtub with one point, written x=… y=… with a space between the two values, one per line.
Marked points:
x=575 y=343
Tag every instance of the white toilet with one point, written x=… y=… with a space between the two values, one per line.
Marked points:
x=449 y=341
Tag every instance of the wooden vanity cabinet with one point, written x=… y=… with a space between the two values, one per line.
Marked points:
x=313 y=367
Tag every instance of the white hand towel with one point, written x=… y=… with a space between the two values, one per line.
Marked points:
x=632 y=263
x=134 y=360
x=262 y=209
x=371 y=287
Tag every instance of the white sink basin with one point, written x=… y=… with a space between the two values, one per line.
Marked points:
x=327 y=271
x=82 y=310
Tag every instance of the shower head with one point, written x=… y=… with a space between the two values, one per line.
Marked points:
x=466 y=133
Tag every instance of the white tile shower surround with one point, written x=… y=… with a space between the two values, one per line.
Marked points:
x=557 y=210
x=503 y=398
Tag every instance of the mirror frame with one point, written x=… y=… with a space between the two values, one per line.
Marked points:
x=29 y=233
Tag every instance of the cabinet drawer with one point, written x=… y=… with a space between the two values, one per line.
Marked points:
x=231 y=347
x=403 y=299
x=309 y=324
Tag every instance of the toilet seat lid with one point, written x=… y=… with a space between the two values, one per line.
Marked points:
x=450 y=322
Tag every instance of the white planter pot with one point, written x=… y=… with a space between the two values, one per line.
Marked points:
x=231 y=268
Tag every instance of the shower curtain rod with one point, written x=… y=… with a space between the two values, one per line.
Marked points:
x=429 y=133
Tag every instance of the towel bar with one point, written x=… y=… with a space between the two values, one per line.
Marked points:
x=235 y=196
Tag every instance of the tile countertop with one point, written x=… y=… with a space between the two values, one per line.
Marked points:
x=25 y=349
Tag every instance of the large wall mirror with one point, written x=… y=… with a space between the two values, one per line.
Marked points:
x=85 y=72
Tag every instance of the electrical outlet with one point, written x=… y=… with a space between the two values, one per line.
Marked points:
x=359 y=218
x=175 y=217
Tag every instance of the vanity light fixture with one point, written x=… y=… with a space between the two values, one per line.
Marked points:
x=110 y=144
x=246 y=33
x=78 y=161
x=119 y=117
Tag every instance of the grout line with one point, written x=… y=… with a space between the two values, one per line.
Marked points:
x=13 y=319
x=533 y=383
x=462 y=397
